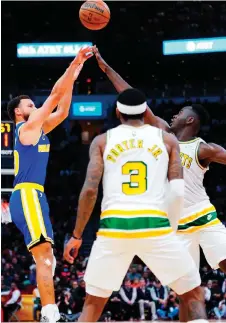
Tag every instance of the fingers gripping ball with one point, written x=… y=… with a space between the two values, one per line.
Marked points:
x=94 y=14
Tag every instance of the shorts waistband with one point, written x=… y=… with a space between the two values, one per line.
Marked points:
x=29 y=186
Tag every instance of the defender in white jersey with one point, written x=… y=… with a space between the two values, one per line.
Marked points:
x=136 y=161
x=199 y=224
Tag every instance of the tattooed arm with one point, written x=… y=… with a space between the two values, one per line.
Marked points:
x=175 y=177
x=88 y=196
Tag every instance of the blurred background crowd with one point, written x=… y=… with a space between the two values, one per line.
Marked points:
x=133 y=48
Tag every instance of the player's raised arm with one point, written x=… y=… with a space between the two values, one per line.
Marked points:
x=63 y=108
x=176 y=182
x=88 y=195
x=120 y=85
x=30 y=131
x=212 y=153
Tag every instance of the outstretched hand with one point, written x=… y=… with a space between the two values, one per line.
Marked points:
x=101 y=62
x=71 y=250
x=84 y=54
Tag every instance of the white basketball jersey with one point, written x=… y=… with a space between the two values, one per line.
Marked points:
x=134 y=184
x=135 y=169
x=195 y=193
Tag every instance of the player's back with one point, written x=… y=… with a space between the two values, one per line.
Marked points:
x=30 y=161
x=135 y=181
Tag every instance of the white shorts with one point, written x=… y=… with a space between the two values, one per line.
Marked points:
x=165 y=256
x=212 y=240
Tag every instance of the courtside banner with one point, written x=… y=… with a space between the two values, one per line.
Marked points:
x=194 y=46
x=39 y=50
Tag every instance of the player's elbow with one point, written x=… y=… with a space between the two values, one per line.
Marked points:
x=64 y=113
x=91 y=192
x=57 y=94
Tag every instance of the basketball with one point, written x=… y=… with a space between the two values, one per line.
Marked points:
x=94 y=14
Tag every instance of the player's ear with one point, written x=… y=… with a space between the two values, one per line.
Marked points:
x=117 y=113
x=17 y=112
x=190 y=120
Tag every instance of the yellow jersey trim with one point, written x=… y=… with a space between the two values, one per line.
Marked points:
x=134 y=235
x=194 y=229
x=196 y=157
x=188 y=142
x=132 y=213
x=31 y=244
x=29 y=186
x=195 y=216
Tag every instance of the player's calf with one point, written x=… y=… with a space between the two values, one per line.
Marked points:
x=191 y=296
x=45 y=263
x=94 y=305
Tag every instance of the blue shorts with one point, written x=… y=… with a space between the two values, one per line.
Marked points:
x=30 y=213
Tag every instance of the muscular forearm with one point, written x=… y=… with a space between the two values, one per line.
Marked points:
x=87 y=200
x=118 y=82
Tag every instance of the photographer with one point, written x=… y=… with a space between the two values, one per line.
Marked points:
x=66 y=305
x=171 y=307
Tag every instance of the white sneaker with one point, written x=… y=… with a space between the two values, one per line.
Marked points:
x=154 y=317
x=50 y=313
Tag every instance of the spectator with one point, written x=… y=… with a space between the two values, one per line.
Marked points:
x=114 y=306
x=134 y=274
x=74 y=285
x=13 y=303
x=66 y=305
x=37 y=304
x=145 y=300
x=4 y=287
x=221 y=311
x=79 y=295
x=16 y=265
x=170 y=309
x=224 y=286
x=159 y=294
x=128 y=296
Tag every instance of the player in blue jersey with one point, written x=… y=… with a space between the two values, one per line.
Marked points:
x=28 y=203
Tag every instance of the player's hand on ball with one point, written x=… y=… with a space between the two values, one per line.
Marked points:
x=71 y=249
x=101 y=62
x=84 y=54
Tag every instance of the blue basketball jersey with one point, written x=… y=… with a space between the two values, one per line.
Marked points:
x=30 y=161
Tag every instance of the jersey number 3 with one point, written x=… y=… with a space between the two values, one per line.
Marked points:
x=138 y=178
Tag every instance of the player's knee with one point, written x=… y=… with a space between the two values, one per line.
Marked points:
x=196 y=294
x=95 y=305
x=43 y=255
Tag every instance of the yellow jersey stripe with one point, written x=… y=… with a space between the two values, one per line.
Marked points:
x=33 y=214
x=29 y=186
x=193 y=217
x=39 y=212
x=134 y=235
x=27 y=213
x=132 y=213
x=194 y=229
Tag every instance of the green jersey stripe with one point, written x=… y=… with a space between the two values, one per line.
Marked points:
x=134 y=223
x=200 y=221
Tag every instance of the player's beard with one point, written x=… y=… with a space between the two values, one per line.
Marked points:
x=26 y=116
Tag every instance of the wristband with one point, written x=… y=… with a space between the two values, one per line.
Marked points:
x=76 y=237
